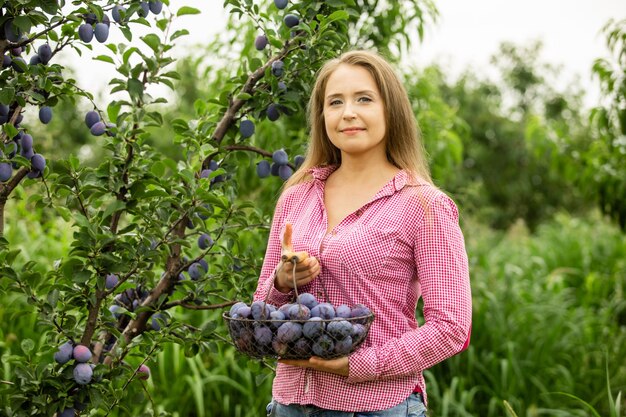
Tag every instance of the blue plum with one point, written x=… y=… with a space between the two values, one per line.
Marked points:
x=83 y=373
x=38 y=162
x=280 y=157
x=235 y=307
x=263 y=169
x=45 y=115
x=343 y=311
x=263 y=335
x=155 y=6
x=302 y=348
x=323 y=346
x=6 y=171
x=26 y=142
x=119 y=14
x=111 y=281
x=289 y=332
x=260 y=310
x=98 y=129
x=102 y=32
x=291 y=20
x=285 y=172
x=204 y=241
x=278 y=68
x=196 y=271
x=313 y=328
x=246 y=128
x=91 y=118
x=45 y=53
x=281 y=4
x=307 y=299
x=85 y=32
x=260 y=42
x=339 y=329
x=64 y=354
x=298 y=160
x=299 y=312
x=273 y=113
x=323 y=310
x=343 y=347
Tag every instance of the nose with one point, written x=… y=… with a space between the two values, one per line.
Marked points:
x=348 y=112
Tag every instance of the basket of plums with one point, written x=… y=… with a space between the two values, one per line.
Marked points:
x=298 y=330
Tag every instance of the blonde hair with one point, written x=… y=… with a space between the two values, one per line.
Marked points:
x=404 y=146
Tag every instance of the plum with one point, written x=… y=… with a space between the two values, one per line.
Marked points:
x=263 y=169
x=280 y=348
x=116 y=311
x=263 y=335
x=361 y=312
x=343 y=347
x=91 y=118
x=236 y=306
x=244 y=312
x=323 y=346
x=85 y=32
x=278 y=68
x=102 y=32
x=155 y=6
x=343 y=311
x=81 y=353
x=284 y=172
x=26 y=142
x=281 y=4
x=291 y=20
x=323 y=310
x=246 y=128
x=289 y=332
x=280 y=157
x=299 y=312
x=144 y=9
x=45 y=53
x=339 y=329
x=111 y=281
x=358 y=332
x=313 y=328
x=156 y=320
x=64 y=354
x=298 y=160
x=285 y=309
x=5 y=171
x=204 y=241
x=277 y=318
x=260 y=42
x=117 y=13
x=98 y=129
x=45 y=115
x=143 y=372
x=272 y=112
x=307 y=299
x=68 y=412
x=196 y=271
x=260 y=310
x=83 y=373
x=302 y=347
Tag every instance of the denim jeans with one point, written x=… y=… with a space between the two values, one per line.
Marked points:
x=411 y=407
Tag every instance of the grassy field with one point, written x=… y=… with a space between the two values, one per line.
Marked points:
x=549 y=331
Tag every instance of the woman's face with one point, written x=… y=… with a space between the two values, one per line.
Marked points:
x=354 y=113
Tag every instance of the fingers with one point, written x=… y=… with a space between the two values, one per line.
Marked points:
x=305 y=272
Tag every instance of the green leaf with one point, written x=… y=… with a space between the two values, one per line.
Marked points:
x=187 y=10
x=105 y=58
x=113 y=207
x=22 y=22
x=152 y=41
x=113 y=110
x=179 y=33
x=135 y=88
x=6 y=95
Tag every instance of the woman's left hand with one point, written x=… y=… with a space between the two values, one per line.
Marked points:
x=339 y=366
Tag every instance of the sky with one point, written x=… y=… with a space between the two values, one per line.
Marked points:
x=466 y=34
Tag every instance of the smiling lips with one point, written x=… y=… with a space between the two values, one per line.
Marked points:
x=352 y=130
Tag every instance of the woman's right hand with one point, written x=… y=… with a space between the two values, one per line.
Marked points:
x=306 y=268
x=306 y=271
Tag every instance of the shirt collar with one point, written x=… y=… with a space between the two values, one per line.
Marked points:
x=400 y=180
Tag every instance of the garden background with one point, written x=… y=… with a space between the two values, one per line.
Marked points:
x=539 y=176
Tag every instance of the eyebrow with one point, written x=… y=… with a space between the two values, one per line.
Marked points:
x=356 y=93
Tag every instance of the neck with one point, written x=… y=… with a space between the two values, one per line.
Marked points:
x=365 y=169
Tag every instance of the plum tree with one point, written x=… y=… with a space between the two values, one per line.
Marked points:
x=136 y=208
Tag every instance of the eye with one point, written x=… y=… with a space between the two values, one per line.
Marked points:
x=364 y=99
x=334 y=102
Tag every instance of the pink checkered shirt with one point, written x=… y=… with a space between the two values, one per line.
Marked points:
x=403 y=244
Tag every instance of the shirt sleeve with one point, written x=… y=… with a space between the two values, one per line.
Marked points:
x=271 y=260
x=442 y=269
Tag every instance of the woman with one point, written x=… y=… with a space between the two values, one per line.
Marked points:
x=378 y=233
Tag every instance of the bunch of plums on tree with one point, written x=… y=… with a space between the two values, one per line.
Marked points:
x=298 y=330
